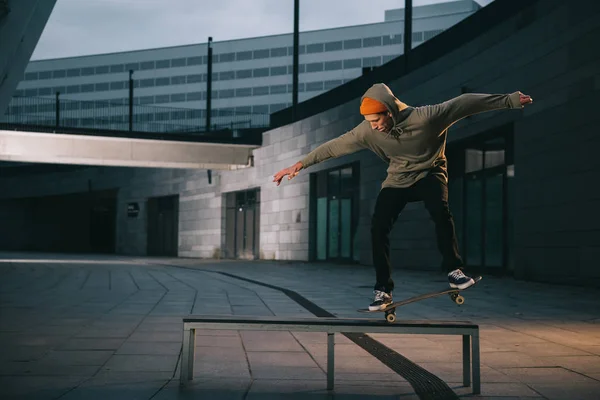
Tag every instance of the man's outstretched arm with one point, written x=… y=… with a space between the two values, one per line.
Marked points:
x=347 y=143
x=447 y=113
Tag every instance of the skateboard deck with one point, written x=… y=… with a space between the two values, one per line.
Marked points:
x=390 y=310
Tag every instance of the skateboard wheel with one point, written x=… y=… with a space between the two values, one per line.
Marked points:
x=390 y=317
x=459 y=300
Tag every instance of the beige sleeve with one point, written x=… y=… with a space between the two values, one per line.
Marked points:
x=350 y=142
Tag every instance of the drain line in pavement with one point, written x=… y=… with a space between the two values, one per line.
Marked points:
x=426 y=385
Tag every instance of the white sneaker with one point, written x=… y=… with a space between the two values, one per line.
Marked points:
x=382 y=300
x=459 y=280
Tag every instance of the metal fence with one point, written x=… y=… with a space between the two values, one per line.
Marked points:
x=118 y=116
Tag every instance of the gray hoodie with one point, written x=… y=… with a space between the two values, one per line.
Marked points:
x=415 y=145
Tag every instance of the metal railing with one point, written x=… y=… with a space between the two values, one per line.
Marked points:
x=108 y=115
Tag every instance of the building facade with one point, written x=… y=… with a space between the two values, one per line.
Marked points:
x=251 y=78
x=521 y=181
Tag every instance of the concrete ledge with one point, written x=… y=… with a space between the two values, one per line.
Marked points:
x=124 y=152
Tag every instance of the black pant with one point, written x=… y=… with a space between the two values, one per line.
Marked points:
x=390 y=202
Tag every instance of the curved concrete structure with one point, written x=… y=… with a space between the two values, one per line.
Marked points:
x=21 y=25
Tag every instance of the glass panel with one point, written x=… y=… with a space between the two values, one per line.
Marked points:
x=334 y=183
x=473 y=160
x=322 y=228
x=346 y=228
x=494 y=232
x=473 y=221
x=334 y=228
x=347 y=183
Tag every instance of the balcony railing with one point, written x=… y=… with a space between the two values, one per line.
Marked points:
x=107 y=115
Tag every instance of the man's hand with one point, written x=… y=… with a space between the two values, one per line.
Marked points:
x=291 y=172
x=524 y=99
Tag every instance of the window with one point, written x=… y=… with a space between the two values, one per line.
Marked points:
x=226 y=75
x=334 y=46
x=258 y=54
x=261 y=109
x=333 y=65
x=353 y=63
x=314 y=86
x=371 y=61
x=160 y=64
x=177 y=98
x=279 y=52
x=60 y=73
x=226 y=93
x=147 y=100
x=260 y=91
x=48 y=74
x=314 y=67
x=314 y=48
x=392 y=39
x=147 y=65
x=31 y=76
x=352 y=44
x=278 y=70
x=243 y=55
x=147 y=82
x=117 y=68
x=162 y=81
x=243 y=92
x=278 y=89
x=331 y=84
x=196 y=78
x=193 y=96
x=178 y=62
x=163 y=98
x=243 y=73
x=178 y=80
x=261 y=72
x=73 y=72
x=73 y=89
x=101 y=87
x=227 y=57
x=372 y=41
x=197 y=60
x=117 y=85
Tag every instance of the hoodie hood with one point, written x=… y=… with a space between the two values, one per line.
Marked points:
x=399 y=110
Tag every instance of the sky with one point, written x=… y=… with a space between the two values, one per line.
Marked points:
x=83 y=27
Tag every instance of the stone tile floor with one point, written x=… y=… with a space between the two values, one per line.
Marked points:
x=100 y=327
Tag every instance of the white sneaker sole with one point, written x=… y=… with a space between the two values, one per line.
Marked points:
x=462 y=286
x=379 y=308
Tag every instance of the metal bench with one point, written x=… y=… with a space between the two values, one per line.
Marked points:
x=469 y=332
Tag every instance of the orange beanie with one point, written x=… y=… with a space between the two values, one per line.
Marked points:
x=372 y=106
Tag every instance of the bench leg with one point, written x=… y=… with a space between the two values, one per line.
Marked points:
x=466 y=360
x=476 y=363
x=330 y=360
x=187 y=356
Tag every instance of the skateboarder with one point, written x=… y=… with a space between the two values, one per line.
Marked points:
x=412 y=141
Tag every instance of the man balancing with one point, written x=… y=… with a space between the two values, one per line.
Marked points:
x=412 y=141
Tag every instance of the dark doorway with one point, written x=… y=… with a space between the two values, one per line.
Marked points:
x=242 y=215
x=480 y=195
x=163 y=226
x=102 y=224
x=334 y=201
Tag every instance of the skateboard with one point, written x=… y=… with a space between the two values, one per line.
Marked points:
x=390 y=310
